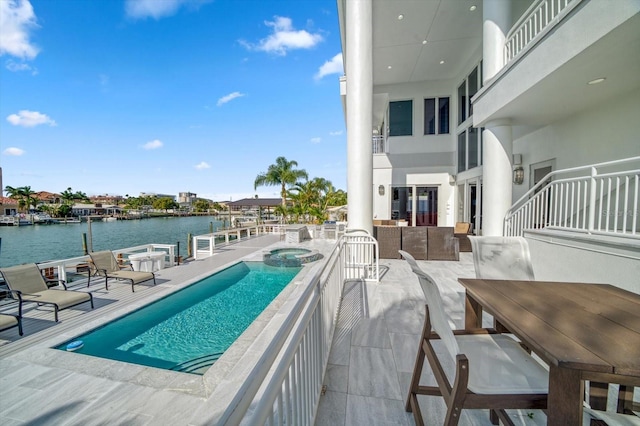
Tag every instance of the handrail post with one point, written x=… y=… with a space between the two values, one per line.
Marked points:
x=592 y=200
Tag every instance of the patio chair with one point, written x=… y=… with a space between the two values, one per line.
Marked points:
x=107 y=265
x=502 y=258
x=492 y=371
x=461 y=231
x=28 y=285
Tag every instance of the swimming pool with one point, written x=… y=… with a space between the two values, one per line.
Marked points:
x=190 y=329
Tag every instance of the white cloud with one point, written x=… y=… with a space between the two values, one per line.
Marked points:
x=202 y=166
x=27 y=118
x=13 y=151
x=154 y=144
x=14 y=66
x=157 y=9
x=227 y=98
x=332 y=66
x=316 y=140
x=336 y=133
x=16 y=21
x=284 y=38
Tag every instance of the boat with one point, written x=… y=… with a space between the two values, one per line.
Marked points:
x=69 y=220
x=109 y=219
x=39 y=218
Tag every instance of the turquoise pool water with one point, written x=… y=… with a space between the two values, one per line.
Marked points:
x=190 y=329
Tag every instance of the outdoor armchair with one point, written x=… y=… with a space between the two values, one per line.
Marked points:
x=107 y=265
x=492 y=371
x=28 y=285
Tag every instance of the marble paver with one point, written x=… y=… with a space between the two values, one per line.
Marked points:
x=376 y=347
x=367 y=379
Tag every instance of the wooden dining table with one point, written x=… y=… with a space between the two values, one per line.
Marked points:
x=582 y=331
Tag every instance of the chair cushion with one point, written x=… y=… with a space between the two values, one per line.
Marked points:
x=462 y=228
x=499 y=365
x=136 y=276
x=7 y=321
x=62 y=298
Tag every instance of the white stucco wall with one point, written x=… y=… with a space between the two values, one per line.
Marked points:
x=421 y=160
x=608 y=132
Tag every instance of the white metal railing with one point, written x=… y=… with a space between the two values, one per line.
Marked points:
x=60 y=266
x=203 y=245
x=598 y=199
x=379 y=144
x=286 y=382
x=538 y=19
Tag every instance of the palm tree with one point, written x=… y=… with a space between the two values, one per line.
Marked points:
x=281 y=173
x=13 y=193
x=68 y=196
x=23 y=195
x=28 y=199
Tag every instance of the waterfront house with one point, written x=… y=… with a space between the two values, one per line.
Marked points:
x=96 y=209
x=456 y=109
x=9 y=206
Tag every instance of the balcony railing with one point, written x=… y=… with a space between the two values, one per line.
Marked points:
x=286 y=383
x=379 y=144
x=541 y=16
x=602 y=199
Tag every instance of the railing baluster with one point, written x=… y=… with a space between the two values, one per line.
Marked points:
x=617 y=205
x=634 y=218
x=608 y=205
x=602 y=210
x=626 y=204
x=585 y=207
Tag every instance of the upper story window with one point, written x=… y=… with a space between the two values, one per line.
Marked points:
x=436 y=119
x=401 y=118
x=469 y=149
x=467 y=89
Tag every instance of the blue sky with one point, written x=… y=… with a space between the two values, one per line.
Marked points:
x=164 y=96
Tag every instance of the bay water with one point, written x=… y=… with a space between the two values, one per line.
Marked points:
x=40 y=243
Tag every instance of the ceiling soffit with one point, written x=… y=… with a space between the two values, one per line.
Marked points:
x=451 y=30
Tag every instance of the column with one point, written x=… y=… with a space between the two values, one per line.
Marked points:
x=496 y=18
x=497 y=187
x=359 y=73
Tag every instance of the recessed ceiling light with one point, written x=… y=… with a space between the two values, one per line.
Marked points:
x=441 y=62
x=424 y=41
x=400 y=17
x=596 y=81
x=472 y=8
x=389 y=67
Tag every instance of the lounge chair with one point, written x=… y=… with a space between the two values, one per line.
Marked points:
x=28 y=285
x=502 y=258
x=8 y=321
x=492 y=371
x=107 y=265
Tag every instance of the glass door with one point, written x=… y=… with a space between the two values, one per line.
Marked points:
x=427 y=206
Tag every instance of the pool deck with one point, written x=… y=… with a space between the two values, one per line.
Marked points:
x=367 y=377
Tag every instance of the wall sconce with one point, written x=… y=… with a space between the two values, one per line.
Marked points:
x=518 y=175
x=381 y=189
